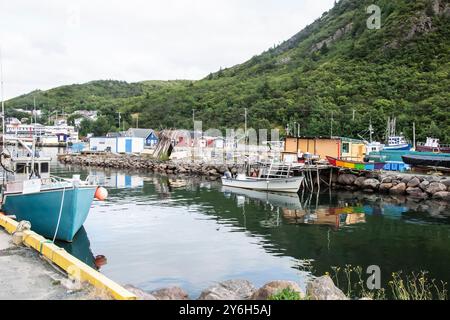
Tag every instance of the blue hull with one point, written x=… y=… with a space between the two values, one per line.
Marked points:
x=42 y=210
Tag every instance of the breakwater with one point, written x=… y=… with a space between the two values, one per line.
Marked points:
x=412 y=185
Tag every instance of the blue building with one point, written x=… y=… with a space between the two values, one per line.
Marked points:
x=150 y=136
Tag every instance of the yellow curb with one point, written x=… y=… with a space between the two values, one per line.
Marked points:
x=67 y=262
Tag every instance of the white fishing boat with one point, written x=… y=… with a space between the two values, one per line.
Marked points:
x=277 y=178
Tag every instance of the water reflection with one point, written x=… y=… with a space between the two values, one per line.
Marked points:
x=192 y=232
x=81 y=248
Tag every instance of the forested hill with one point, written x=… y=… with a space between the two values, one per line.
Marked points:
x=336 y=67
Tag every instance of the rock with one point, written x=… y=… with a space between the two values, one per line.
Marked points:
x=359 y=181
x=229 y=290
x=386 y=180
x=416 y=193
x=346 y=179
x=435 y=187
x=371 y=184
x=424 y=185
x=365 y=298
x=139 y=293
x=398 y=189
x=173 y=293
x=406 y=179
x=446 y=182
x=323 y=288
x=384 y=187
x=275 y=287
x=442 y=195
x=413 y=183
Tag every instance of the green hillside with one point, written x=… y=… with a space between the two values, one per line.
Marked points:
x=336 y=67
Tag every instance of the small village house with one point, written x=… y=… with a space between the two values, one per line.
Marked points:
x=117 y=144
x=149 y=135
x=336 y=147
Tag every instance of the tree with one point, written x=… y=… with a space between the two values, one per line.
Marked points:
x=101 y=126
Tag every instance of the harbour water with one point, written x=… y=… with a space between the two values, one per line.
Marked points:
x=154 y=232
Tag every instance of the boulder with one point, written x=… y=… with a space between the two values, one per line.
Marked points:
x=386 y=180
x=446 y=182
x=413 y=183
x=275 y=287
x=173 y=293
x=406 y=179
x=398 y=189
x=229 y=290
x=435 y=187
x=384 y=187
x=139 y=293
x=442 y=195
x=323 y=288
x=371 y=184
x=346 y=179
x=424 y=185
x=416 y=193
x=359 y=181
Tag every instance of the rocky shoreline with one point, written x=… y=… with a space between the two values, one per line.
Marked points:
x=321 y=288
x=411 y=185
x=133 y=162
x=420 y=187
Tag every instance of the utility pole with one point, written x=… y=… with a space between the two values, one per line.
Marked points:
x=354 y=111
x=331 y=131
x=245 y=130
x=414 y=136
x=295 y=128
x=137 y=121
x=119 y=119
x=193 y=118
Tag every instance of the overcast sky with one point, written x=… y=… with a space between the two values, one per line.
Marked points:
x=49 y=43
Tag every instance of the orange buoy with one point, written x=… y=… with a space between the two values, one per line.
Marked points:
x=101 y=193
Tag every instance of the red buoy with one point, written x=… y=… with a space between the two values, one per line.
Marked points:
x=101 y=194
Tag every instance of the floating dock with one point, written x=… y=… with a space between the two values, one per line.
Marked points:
x=71 y=265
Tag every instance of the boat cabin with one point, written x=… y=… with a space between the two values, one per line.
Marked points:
x=23 y=168
x=397 y=140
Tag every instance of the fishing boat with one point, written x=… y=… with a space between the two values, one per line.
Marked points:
x=435 y=161
x=394 y=141
x=56 y=207
x=356 y=165
x=274 y=178
x=397 y=143
x=433 y=145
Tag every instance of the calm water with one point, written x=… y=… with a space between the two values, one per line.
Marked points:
x=191 y=233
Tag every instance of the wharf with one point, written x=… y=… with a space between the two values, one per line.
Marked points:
x=23 y=274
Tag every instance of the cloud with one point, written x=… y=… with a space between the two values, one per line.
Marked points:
x=48 y=43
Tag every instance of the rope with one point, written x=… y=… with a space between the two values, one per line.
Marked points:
x=60 y=213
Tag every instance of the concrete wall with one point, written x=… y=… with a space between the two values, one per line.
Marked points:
x=101 y=143
x=137 y=144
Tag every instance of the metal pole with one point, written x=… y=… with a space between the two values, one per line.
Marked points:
x=3 y=98
x=414 y=136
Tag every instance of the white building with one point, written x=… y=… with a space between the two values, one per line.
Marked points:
x=63 y=133
x=117 y=144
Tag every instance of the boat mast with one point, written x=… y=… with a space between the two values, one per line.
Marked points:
x=3 y=99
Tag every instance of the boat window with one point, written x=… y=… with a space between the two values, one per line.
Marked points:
x=36 y=167
x=44 y=167
x=345 y=147
x=21 y=168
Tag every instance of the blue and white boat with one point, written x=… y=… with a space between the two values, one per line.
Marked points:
x=56 y=208
x=398 y=143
